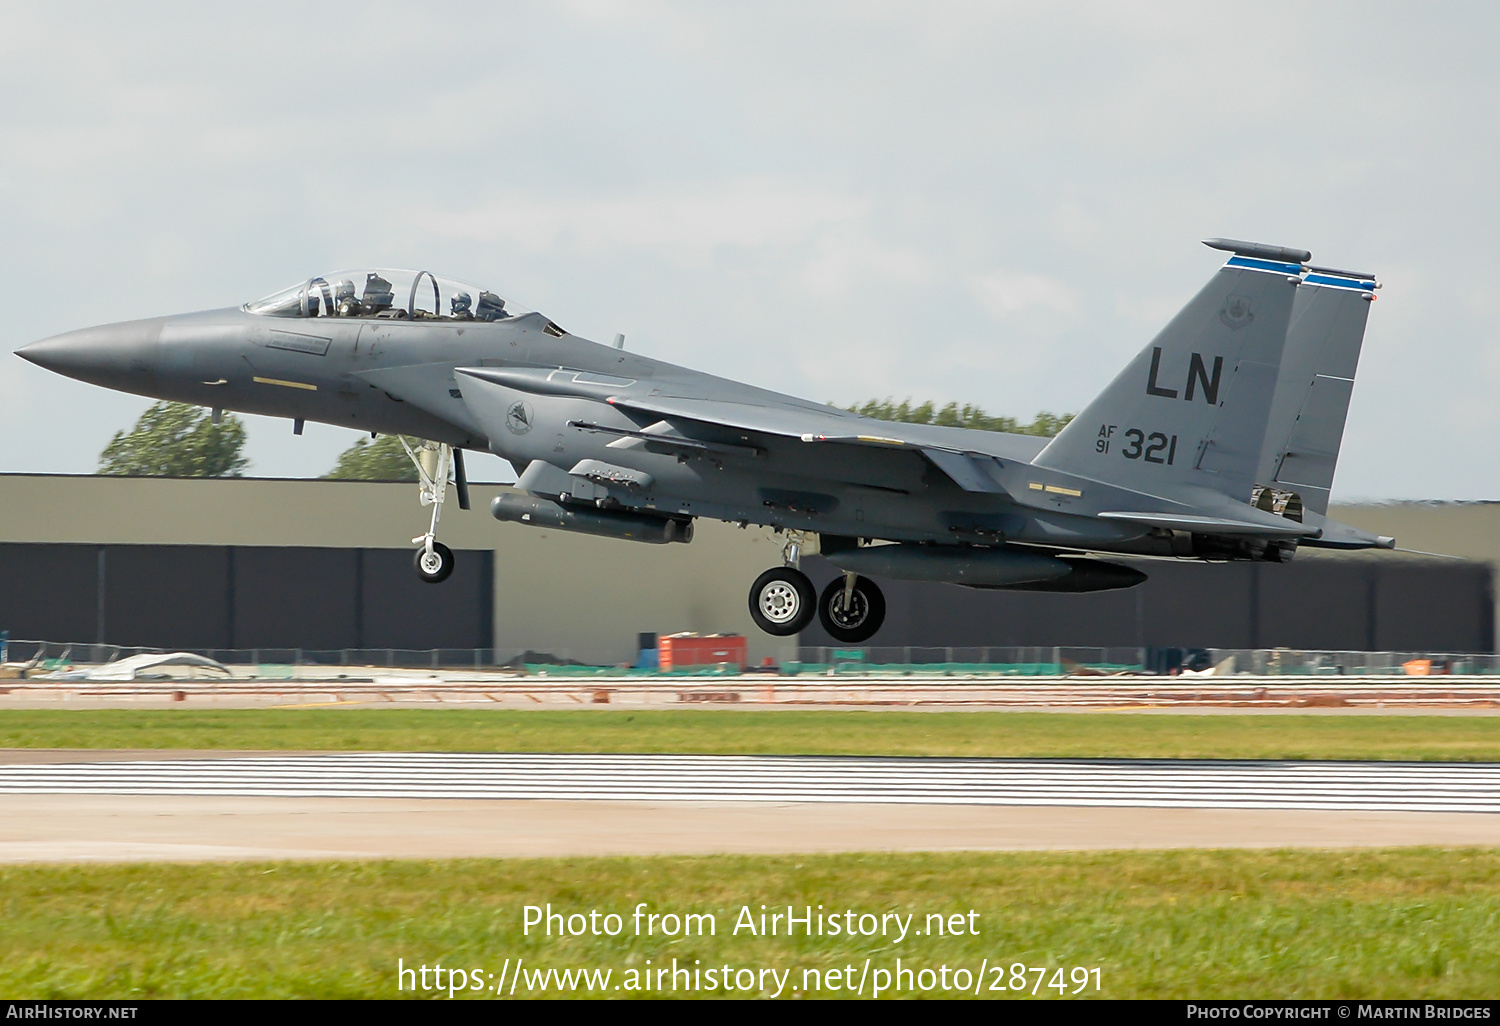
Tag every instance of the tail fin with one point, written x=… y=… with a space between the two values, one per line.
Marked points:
x=1192 y=408
x=1317 y=378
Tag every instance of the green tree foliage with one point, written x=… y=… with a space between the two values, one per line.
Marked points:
x=967 y=416
x=380 y=460
x=177 y=440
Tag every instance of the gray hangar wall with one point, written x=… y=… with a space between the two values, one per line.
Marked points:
x=210 y=563
x=238 y=597
x=227 y=597
x=315 y=563
x=1315 y=603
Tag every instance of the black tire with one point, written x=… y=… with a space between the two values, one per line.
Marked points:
x=857 y=624
x=783 y=601
x=443 y=558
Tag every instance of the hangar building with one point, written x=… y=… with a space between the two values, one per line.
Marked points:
x=326 y=565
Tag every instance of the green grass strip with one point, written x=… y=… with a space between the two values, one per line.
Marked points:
x=989 y=734
x=1413 y=923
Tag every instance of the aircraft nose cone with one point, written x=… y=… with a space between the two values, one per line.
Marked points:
x=58 y=353
x=113 y=355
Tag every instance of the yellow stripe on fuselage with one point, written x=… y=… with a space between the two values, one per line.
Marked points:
x=286 y=384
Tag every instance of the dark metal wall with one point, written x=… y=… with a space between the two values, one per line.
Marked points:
x=224 y=597
x=1322 y=604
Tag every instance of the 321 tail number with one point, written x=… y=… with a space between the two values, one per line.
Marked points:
x=1138 y=445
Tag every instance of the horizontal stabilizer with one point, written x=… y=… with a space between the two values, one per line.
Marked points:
x=1217 y=525
x=1335 y=535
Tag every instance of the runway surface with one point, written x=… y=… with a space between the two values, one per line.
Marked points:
x=1369 y=787
x=137 y=828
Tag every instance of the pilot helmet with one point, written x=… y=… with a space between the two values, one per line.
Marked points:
x=460 y=303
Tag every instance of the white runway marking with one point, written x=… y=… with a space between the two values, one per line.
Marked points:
x=1372 y=786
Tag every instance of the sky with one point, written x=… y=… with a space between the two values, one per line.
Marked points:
x=991 y=203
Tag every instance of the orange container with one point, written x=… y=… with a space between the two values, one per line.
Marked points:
x=679 y=651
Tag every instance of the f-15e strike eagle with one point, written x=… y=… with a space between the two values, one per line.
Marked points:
x=1217 y=442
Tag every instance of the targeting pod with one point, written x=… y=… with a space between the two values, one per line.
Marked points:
x=641 y=527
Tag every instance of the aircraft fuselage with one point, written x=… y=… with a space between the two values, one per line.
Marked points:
x=397 y=377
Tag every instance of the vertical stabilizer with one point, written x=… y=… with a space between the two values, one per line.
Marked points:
x=1192 y=408
x=1306 y=429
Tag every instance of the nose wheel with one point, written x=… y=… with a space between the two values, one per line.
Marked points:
x=851 y=609
x=434 y=564
x=783 y=601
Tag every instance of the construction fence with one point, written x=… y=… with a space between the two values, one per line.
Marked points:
x=38 y=657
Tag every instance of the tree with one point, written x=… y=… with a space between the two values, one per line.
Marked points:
x=381 y=460
x=177 y=440
x=1044 y=425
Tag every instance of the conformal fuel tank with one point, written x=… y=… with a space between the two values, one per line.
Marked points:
x=952 y=564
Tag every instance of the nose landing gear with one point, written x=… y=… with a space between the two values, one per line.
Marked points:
x=433 y=460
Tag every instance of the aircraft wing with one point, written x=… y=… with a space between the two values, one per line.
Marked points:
x=971 y=471
x=787 y=421
x=951 y=450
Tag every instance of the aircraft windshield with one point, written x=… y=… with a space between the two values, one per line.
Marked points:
x=386 y=293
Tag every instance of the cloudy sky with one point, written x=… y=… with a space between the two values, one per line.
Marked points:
x=986 y=202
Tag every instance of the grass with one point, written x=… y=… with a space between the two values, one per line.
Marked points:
x=1414 y=923
x=1408 y=923
x=992 y=734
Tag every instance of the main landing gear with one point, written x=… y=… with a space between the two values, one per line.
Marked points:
x=851 y=609
x=783 y=601
x=434 y=461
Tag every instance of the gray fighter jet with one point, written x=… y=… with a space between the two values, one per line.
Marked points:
x=1217 y=442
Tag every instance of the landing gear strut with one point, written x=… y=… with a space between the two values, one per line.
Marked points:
x=433 y=460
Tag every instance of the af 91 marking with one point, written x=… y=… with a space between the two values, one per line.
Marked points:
x=1155 y=447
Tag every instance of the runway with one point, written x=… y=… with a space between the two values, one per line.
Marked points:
x=180 y=806
x=1367 y=787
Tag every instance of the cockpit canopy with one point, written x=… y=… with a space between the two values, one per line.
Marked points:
x=387 y=293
